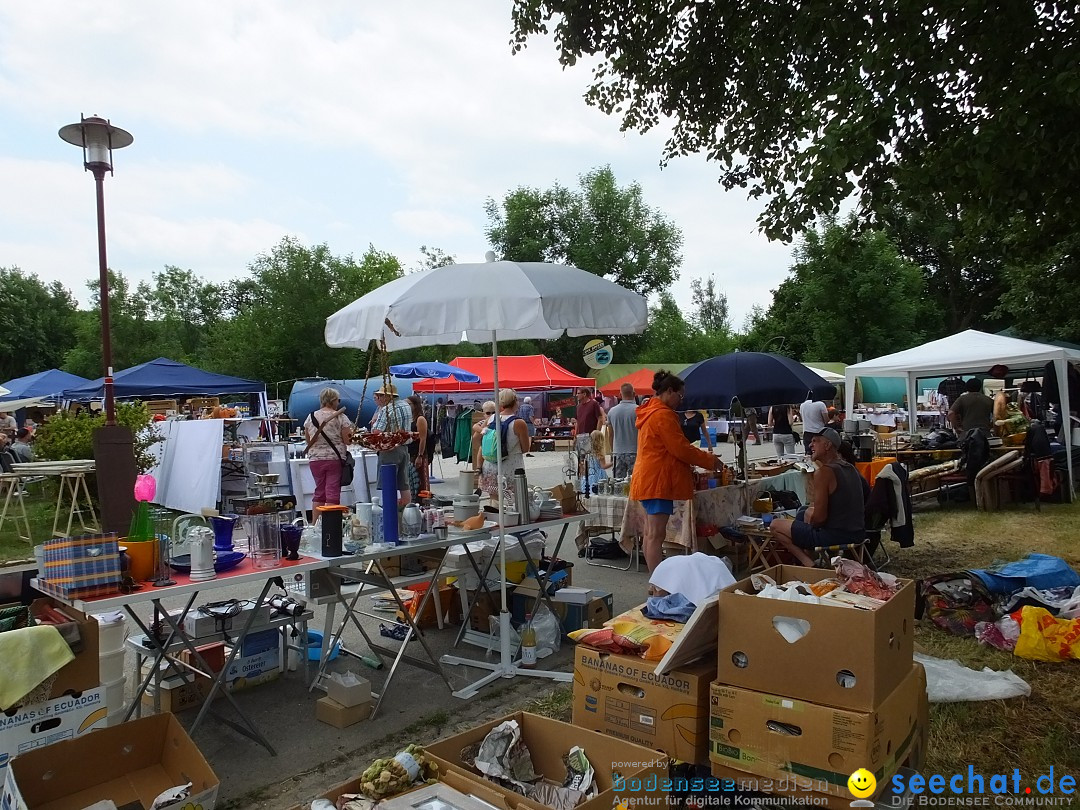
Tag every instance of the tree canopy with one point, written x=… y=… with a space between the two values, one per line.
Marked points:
x=802 y=103
x=848 y=293
x=37 y=323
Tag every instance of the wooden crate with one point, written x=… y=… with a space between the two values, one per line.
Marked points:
x=161 y=406
x=199 y=404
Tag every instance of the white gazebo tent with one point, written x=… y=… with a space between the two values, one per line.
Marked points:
x=969 y=352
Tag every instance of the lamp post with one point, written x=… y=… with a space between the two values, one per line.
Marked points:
x=97 y=138
x=113 y=443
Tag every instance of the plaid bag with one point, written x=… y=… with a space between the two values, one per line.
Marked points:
x=82 y=567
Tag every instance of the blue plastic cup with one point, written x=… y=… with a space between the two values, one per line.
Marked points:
x=766 y=519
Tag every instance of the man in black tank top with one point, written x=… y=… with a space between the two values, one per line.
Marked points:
x=837 y=515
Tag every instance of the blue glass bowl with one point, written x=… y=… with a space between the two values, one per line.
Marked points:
x=225 y=561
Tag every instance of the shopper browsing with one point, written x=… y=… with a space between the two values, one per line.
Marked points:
x=665 y=461
x=623 y=420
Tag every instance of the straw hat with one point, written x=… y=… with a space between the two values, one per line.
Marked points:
x=388 y=389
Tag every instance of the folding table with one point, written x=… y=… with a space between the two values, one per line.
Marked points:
x=244 y=573
x=367 y=568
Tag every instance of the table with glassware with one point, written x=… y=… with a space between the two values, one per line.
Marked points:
x=170 y=634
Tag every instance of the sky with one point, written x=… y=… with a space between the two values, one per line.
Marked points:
x=342 y=122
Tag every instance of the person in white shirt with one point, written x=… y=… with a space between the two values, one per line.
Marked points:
x=815 y=417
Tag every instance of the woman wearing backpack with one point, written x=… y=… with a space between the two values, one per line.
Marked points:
x=514 y=436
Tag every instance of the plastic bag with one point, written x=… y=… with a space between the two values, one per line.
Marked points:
x=548 y=632
x=1001 y=634
x=952 y=682
x=1046 y=638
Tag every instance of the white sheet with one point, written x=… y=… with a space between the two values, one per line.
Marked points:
x=189 y=471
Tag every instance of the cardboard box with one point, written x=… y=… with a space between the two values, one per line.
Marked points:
x=572 y=595
x=593 y=615
x=198 y=624
x=779 y=737
x=486 y=606
x=328 y=710
x=259 y=642
x=179 y=693
x=252 y=670
x=622 y=696
x=548 y=741
x=348 y=696
x=82 y=673
x=130 y=763
x=41 y=724
x=455 y=780
x=848 y=658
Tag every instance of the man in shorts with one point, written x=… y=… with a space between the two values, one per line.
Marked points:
x=838 y=514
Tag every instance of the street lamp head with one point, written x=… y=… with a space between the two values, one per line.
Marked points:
x=98 y=138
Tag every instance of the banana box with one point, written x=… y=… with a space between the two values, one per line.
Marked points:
x=623 y=697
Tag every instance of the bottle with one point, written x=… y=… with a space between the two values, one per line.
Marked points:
x=376 y=518
x=521 y=495
x=528 y=644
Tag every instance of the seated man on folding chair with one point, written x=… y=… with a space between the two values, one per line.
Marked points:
x=837 y=516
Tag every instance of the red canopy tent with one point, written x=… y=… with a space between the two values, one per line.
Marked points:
x=526 y=373
x=640 y=379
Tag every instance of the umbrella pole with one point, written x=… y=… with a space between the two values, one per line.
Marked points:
x=506 y=667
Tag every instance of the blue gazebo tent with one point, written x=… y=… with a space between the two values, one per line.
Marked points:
x=45 y=385
x=166 y=378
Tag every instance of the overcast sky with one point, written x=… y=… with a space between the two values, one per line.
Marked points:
x=344 y=122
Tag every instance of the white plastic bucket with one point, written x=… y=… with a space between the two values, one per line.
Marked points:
x=114 y=694
x=115 y=718
x=111 y=666
x=112 y=631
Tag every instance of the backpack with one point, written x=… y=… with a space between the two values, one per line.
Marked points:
x=487 y=444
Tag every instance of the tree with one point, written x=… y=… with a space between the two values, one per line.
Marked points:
x=848 y=293
x=671 y=338
x=802 y=103
x=277 y=331
x=134 y=338
x=710 y=307
x=1042 y=299
x=602 y=228
x=37 y=323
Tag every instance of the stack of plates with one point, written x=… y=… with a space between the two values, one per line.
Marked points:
x=551 y=514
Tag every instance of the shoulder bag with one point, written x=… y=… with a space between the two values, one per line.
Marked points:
x=348 y=463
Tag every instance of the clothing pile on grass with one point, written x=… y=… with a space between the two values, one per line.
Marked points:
x=1029 y=607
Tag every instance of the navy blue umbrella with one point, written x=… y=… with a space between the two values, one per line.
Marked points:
x=439 y=371
x=756 y=379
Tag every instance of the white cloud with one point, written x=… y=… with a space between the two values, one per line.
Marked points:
x=338 y=122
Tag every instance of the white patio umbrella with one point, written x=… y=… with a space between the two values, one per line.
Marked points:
x=492 y=300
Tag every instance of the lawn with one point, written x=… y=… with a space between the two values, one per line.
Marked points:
x=40 y=509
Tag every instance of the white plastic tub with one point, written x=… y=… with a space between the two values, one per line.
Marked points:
x=112 y=631
x=115 y=718
x=114 y=694
x=111 y=665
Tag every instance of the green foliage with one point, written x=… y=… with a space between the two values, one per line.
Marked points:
x=276 y=332
x=802 y=103
x=710 y=307
x=65 y=436
x=602 y=227
x=1042 y=299
x=849 y=292
x=37 y=323
x=671 y=338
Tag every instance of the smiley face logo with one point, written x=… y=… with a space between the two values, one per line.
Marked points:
x=862 y=784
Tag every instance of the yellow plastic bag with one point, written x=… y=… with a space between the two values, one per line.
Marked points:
x=1043 y=637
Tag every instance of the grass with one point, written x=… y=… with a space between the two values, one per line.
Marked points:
x=40 y=510
x=1032 y=733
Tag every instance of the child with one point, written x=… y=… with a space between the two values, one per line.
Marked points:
x=597 y=462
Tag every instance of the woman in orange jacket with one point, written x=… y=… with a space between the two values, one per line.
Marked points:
x=663 y=472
